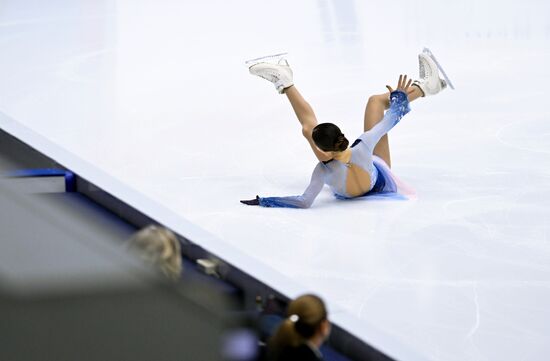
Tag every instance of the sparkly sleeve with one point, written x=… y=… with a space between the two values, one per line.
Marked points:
x=303 y=201
x=399 y=106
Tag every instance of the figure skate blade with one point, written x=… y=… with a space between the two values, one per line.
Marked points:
x=274 y=59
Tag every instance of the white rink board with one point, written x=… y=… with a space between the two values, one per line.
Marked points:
x=151 y=101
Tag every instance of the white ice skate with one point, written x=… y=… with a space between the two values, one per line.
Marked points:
x=273 y=68
x=430 y=82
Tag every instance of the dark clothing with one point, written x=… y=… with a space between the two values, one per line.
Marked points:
x=300 y=353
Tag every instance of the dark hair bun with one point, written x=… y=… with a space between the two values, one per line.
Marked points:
x=341 y=144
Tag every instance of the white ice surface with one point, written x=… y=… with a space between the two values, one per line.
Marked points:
x=151 y=101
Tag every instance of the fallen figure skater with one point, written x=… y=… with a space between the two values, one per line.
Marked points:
x=364 y=168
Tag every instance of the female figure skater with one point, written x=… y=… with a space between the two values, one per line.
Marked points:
x=364 y=168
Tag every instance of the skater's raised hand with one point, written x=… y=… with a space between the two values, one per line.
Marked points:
x=402 y=84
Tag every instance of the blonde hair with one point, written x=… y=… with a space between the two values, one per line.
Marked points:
x=305 y=315
x=160 y=247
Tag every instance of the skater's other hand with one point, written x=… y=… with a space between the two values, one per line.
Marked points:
x=402 y=84
x=252 y=202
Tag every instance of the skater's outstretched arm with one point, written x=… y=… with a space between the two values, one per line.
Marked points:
x=303 y=201
x=399 y=106
x=307 y=119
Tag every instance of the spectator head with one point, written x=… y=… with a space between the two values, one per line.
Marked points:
x=306 y=322
x=159 y=247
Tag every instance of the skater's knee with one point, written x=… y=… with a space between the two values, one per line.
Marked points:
x=382 y=99
x=373 y=99
x=306 y=132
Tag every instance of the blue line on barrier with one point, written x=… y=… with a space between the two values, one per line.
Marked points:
x=70 y=178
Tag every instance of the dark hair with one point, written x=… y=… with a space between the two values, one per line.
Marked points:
x=329 y=138
x=304 y=317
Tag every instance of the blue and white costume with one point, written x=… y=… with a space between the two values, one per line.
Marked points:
x=334 y=173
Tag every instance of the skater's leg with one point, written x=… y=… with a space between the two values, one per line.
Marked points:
x=281 y=76
x=374 y=112
x=304 y=112
x=306 y=117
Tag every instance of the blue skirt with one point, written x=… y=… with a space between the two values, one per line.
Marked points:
x=385 y=182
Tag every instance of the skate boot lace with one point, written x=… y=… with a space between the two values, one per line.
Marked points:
x=270 y=75
x=275 y=72
x=421 y=72
x=428 y=72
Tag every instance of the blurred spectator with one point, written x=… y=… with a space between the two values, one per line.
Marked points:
x=159 y=247
x=302 y=333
